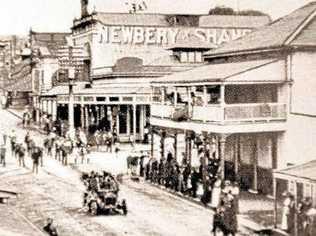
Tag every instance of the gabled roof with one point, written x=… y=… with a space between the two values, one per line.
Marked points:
x=47 y=42
x=168 y=20
x=279 y=33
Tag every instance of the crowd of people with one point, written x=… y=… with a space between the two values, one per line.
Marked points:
x=222 y=196
x=20 y=149
x=52 y=145
x=105 y=138
x=305 y=216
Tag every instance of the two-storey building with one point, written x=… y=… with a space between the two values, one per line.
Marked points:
x=252 y=104
x=125 y=52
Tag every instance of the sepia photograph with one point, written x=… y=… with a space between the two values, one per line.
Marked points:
x=158 y=118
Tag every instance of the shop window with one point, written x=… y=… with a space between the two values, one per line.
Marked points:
x=127 y=99
x=88 y=99
x=114 y=99
x=101 y=99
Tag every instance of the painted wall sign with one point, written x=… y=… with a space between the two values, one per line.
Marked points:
x=165 y=36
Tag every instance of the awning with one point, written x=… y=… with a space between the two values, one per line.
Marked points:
x=265 y=71
x=305 y=172
x=79 y=90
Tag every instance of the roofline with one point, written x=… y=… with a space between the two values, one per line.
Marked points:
x=93 y=17
x=188 y=48
x=287 y=42
x=37 y=32
x=298 y=30
x=223 y=80
x=130 y=74
x=245 y=52
x=214 y=82
x=172 y=14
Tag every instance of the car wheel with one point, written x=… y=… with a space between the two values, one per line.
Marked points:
x=93 y=208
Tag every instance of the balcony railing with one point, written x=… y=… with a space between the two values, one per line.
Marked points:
x=221 y=114
x=253 y=112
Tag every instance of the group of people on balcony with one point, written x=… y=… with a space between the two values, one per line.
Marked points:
x=195 y=98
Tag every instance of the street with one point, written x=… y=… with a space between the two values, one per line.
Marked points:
x=56 y=192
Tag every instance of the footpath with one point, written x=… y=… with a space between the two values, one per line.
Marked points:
x=116 y=163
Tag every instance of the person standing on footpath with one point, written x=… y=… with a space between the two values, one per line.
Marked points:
x=287 y=217
x=21 y=154
x=235 y=192
x=36 y=155
x=216 y=194
x=27 y=141
x=13 y=141
x=3 y=149
x=194 y=182
x=58 y=144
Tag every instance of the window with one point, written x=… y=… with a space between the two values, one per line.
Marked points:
x=42 y=78
x=114 y=99
x=127 y=99
x=191 y=57
x=198 y=57
x=184 y=57
x=101 y=99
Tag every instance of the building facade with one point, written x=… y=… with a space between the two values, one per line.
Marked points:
x=125 y=52
x=252 y=104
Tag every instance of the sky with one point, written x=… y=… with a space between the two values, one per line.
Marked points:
x=18 y=16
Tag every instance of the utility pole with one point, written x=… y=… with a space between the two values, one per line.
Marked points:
x=71 y=77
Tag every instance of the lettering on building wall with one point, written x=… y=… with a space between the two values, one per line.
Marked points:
x=165 y=36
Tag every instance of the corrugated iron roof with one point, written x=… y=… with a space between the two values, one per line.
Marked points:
x=49 y=42
x=307 y=171
x=272 y=35
x=24 y=84
x=152 y=19
x=213 y=72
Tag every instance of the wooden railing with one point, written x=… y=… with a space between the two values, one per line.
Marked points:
x=262 y=111
x=221 y=114
x=207 y=113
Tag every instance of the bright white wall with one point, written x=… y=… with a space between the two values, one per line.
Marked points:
x=304 y=76
x=299 y=141
x=297 y=144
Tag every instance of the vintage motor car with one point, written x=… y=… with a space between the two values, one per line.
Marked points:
x=104 y=198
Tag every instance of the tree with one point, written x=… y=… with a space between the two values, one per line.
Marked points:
x=252 y=13
x=223 y=10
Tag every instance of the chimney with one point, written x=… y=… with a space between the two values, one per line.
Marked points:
x=84 y=8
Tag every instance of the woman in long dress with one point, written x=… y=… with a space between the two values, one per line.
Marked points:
x=216 y=193
x=286 y=212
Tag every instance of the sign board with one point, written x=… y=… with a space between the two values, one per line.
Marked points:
x=166 y=36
